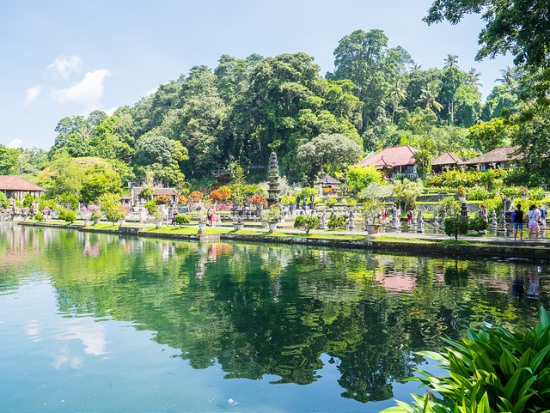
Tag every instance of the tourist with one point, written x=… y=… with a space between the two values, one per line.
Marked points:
x=409 y=216
x=483 y=212
x=543 y=214
x=517 y=220
x=533 y=218
x=384 y=215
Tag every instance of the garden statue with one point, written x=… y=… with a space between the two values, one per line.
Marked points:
x=394 y=221
x=398 y=217
x=420 y=221
x=502 y=223
x=351 y=223
x=323 y=223
x=436 y=222
x=494 y=222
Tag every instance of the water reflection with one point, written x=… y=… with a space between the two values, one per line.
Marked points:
x=258 y=310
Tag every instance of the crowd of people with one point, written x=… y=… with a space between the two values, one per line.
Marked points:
x=536 y=221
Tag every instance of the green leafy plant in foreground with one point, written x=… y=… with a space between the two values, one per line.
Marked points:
x=493 y=370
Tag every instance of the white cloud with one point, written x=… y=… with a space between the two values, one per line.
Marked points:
x=111 y=111
x=15 y=143
x=88 y=91
x=151 y=91
x=32 y=93
x=64 y=67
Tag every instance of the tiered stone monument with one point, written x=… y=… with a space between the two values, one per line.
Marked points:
x=273 y=181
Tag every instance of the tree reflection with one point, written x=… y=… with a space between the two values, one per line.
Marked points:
x=258 y=310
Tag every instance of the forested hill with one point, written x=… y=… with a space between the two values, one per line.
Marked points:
x=243 y=109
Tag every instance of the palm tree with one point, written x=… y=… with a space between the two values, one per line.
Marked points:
x=451 y=61
x=396 y=95
x=429 y=94
x=472 y=78
x=507 y=76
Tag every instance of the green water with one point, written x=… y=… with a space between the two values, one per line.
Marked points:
x=99 y=323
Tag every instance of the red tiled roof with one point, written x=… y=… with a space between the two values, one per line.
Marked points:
x=16 y=183
x=496 y=155
x=447 y=158
x=396 y=156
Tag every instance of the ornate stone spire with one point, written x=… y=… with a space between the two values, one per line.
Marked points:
x=273 y=180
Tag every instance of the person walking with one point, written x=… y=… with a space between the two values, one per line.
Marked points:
x=533 y=218
x=543 y=214
x=517 y=220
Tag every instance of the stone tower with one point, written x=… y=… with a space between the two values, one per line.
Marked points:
x=273 y=181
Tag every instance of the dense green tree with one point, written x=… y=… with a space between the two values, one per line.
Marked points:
x=450 y=82
x=162 y=156
x=364 y=58
x=533 y=137
x=359 y=177
x=73 y=180
x=487 y=136
x=107 y=144
x=30 y=161
x=8 y=160
x=327 y=153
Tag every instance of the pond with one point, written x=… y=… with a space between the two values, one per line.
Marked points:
x=92 y=322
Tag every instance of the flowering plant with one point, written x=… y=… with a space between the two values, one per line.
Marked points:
x=195 y=196
x=93 y=211
x=259 y=200
x=123 y=210
x=163 y=199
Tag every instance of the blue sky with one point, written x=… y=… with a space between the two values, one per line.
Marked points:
x=68 y=57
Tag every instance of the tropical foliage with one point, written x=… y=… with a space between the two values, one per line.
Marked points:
x=491 y=370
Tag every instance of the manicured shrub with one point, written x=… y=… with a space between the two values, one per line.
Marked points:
x=455 y=226
x=182 y=219
x=39 y=216
x=478 y=223
x=336 y=221
x=306 y=222
x=68 y=215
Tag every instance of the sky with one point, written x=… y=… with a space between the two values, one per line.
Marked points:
x=62 y=58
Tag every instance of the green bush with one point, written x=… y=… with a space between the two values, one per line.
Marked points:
x=455 y=226
x=151 y=207
x=477 y=193
x=39 y=216
x=336 y=221
x=67 y=215
x=493 y=370
x=536 y=194
x=182 y=219
x=306 y=222
x=331 y=202
x=4 y=202
x=478 y=223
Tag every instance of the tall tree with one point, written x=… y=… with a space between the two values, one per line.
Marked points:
x=365 y=59
x=450 y=61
